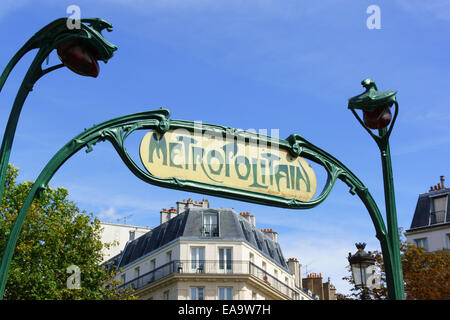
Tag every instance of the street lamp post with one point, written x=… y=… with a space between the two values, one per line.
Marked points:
x=362 y=264
x=376 y=106
x=78 y=49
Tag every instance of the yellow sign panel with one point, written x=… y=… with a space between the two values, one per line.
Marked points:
x=230 y=163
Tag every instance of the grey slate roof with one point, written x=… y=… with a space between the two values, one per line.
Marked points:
x=188 y=225
x=422 y=214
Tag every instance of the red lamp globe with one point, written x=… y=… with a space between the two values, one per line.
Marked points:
x=79 y=57
x=377 y=119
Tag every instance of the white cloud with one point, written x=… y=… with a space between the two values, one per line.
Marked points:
x=108 y=214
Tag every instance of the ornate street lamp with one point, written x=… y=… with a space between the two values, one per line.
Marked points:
x=362 y=264
x=376 y=106
x=79 y=49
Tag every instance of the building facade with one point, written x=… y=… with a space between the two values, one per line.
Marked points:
x=118 y=236
x=198 y=252
x=430 y=227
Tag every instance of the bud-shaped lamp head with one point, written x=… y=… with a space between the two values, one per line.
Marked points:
x=80 y=49
x=374 y=104
x=79 y=56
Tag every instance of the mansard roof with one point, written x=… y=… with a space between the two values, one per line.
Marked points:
x=188 y=225
x=423 y=216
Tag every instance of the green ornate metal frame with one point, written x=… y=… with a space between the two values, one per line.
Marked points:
x=117 y=130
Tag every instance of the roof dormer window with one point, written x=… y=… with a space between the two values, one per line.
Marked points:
x=210 y=225
x=438 y=209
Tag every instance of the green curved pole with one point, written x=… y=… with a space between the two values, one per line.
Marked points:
x=116 y=130
x=340 y=171
x=369 y=101
x=46 y=40
x=87 y=138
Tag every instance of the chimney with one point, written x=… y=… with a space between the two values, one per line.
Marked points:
x=249 y=217
x=271 y=234
x=181 y=206
x=295 y=268
x=313 y=282
x=189 y=203
x=442 y=182
x=204 y=203
x=164 y=216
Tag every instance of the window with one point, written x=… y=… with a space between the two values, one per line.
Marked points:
x=225 y=293
x=132 y=234
x=225 y=259
x=448 y=241
x=275 y=273
x=264 y=266
x=137 y=272
x=153 y=264
x=197 y=293
x=210 y=228
x=438 y=210
x=123 y=278
x=198 y=259
x=252 y=258
x=166 y=295
x=422 y=243
x=169 y=256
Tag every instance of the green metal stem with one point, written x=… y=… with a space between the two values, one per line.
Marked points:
x=391 y=213
x=33 y=74
x=46 y=40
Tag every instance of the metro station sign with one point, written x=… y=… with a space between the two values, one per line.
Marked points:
x=229 y=162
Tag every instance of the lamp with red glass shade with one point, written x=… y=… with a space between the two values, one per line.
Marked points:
x=79 y=50
x=376 y=106
x=80 y=57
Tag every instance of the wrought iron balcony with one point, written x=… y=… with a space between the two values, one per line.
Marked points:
x=217 y=267
x=273 y=282
x=210 y=230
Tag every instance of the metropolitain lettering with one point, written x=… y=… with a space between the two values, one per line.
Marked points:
x=229 y=162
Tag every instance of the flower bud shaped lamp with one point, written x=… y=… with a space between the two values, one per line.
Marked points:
x=79 y=57
x=79 y=50
x=375 y=106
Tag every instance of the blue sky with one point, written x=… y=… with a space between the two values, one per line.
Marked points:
x=286 y=65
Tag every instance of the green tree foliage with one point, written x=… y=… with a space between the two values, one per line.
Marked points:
x=426 y=275
x=55 y=235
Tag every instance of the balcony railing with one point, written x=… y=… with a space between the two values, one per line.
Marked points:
x=210 y=230
x=218 y=267
x=437 y=217
x=273 y=282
